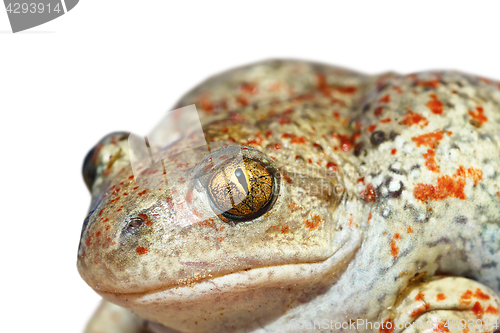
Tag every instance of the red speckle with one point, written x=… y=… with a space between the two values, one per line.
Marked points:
x=221 y=239
x=398 y=89
x=368 y=194
x=332 y=166
x=98 y=234
x=294 y=138
x=369 y=217
x=480 y=295
x=102 y=210
x=386 y=120
x=385 y=99
x=131 y=177
x=135 y=188
x=143 y=216
x=387 y=326
x=346 y=142
x=314 y=223
x=429 y=84
x=141 y=250
x=478 y=118
x=419 y=296
x=125 y=193
x=440 y=297
x=371 y=128
x=309 y=160
x=275 y=146
x=413 y=118
x=284 y=229
x=142 y=193
x=107 y=227
x=121 y=207
x=430 y=139
x=394 y=151
x=336 y=115
x=268 y=134
x=96 y=262
x=478 y=309
x=378 y=111
x=430 y=160
x=435 y=105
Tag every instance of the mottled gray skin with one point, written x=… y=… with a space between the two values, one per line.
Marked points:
x=409 y=169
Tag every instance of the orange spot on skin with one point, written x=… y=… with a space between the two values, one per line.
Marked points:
x=371 y=128
x=385 y=99
x=378 y=111
x=440 y=297
x=394 y=151
x=398 y=89
x=419 y=297
x=346 y=142
x=141 y=250
x=475 y=174
x=368 y=194
x=429 y=84
x=221 y=239
x=448 y=186
x=386 y=120
x=491 y=310
x=394 y=247
x=478 y=309
x=314 y=223
x=430 y=140
x=478 y=117
x=107 y=227
x=465 y=299
x=284 y=229
x=435 y=104
x=275 y=146
x=420 y=310
x=409 y=230
x=98 y=234
x=293 y=207
x=369 y=217
x=207 y=223
x=430 y=160
x=387 y=326
x=480 y=295
x=441 y=328
x=413 y=118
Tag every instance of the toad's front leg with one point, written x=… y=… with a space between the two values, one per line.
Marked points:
x=444 y=304
x=111 y=318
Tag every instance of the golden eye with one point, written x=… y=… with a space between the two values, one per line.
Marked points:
x=241 y=189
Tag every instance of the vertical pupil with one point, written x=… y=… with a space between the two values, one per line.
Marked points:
x=242 y=179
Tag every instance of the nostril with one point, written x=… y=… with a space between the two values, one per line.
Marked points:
x=135 y=222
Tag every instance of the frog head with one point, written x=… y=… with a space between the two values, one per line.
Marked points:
x=231 y=233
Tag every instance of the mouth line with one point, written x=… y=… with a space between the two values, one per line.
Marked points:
x=190 y=283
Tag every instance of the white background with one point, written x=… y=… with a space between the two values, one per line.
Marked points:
x=118 y=65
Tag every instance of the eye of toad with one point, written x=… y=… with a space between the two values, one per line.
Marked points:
x=241 y=189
